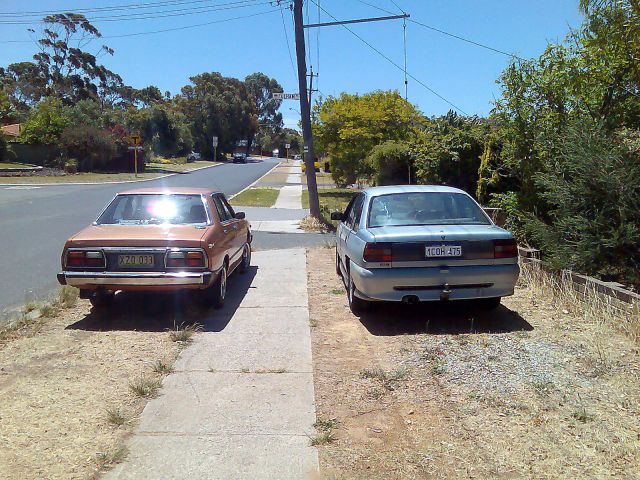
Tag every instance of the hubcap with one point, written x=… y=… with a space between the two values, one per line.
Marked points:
x=223 y=283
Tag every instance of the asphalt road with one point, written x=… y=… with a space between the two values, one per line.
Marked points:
x=35 y=222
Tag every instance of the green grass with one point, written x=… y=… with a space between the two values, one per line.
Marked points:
x=153 y=170
x=331 y=200
x=257 y=197
x=14 y=165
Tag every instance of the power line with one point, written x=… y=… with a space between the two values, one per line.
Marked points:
x=453 y=35
x=397 y=6
x=130 y=6
x=158 y=14
x=164 y=30
x=286 y=36
x=399 y=67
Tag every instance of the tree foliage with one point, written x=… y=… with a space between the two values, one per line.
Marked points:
x=349 y=126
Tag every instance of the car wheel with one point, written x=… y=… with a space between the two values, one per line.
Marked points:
x=356 y=304
x=101 y=300
x=246 y=259
x=220 y=288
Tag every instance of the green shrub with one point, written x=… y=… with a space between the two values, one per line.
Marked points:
x=390 y=163
x=592 y=189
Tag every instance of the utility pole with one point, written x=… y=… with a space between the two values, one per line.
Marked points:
x=305 y=111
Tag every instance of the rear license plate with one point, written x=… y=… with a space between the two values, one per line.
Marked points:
x=443 y=251
x=135 y=260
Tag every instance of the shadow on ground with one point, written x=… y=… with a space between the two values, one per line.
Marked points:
x=387 y=319
x=157 y=312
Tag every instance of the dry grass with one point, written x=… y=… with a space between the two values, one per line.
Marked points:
x=184 y=333
x=145 y=387
x=542 y=387
x=312 y=224
x=64 y=391
x=592 y=306
x=162 y=368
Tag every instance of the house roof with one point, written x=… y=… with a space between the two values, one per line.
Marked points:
x=12 y=130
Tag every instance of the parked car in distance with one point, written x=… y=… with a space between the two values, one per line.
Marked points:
x=193 y=156
x=422 y=243
x=239 y=158
x=297 y=156
x=158 y=239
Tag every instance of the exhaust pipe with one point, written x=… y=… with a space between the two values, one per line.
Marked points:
x=444 y=295
x=410 y=299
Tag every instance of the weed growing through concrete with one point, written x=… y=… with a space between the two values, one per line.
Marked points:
x=245 y=370
x=184 y=333
x=106 y=460
x=145 y=387
x=337 y=291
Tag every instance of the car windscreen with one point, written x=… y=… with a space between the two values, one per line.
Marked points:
x=425 y=208
x=155 y=209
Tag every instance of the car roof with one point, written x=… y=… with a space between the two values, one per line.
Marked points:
x=170 y=191
x=376 y=191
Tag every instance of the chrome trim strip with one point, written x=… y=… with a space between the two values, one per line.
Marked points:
x=138 y=279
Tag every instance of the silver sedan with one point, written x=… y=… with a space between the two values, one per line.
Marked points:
x=422 y=243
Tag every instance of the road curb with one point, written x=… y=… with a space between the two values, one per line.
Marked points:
x=249 y=186
x=106 y=183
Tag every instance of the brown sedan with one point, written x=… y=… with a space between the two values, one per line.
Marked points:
x=158 y=239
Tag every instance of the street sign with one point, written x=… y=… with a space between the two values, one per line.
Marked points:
x=287 y=145
x=285 y=96
x=306 y=149
x=137 y=148
x=134 y=139
x=214 y=142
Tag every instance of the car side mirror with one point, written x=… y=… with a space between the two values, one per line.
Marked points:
x=336 y=216
x=240 y=215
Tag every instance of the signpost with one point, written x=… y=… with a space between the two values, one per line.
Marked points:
x=134 y=139
x=287 y=146
x=214 y=144
x=285 y=96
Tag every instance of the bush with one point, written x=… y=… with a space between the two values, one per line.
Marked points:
x=593 y=191
x=3 y=148
x=93 y=148
x=71 y=165
x=390 y=163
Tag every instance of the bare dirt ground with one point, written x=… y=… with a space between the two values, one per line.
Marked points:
x=528 y=390
x=58 y=382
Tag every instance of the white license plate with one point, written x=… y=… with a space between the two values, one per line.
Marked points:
x=444 y=251
x=135 y=260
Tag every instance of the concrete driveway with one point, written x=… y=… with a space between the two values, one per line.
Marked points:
x=240 y=403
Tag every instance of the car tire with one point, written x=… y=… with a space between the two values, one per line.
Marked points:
x=338 y=271
x=101 y=300
x=356 y=304
x=491 y=303
x=214 y=294
x=245 y=263
x=219 y=288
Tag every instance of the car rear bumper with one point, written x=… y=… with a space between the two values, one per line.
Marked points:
x=135 y=279
x=435 y=283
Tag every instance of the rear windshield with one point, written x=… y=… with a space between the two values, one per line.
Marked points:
x=154 y=210
x=425 y=208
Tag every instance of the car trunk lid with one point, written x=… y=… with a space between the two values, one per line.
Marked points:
x=410 y=244
x=139 y=236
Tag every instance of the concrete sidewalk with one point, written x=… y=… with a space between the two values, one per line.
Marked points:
x=290 y=195
x=240 y=403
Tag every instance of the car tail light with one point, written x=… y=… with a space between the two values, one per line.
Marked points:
x=85 y=259
x=507 y=248
x=377 y=252
x=185 y=259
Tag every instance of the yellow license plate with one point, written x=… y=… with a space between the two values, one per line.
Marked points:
x=135 y=260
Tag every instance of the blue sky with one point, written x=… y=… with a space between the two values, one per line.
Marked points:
x=462 y=73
